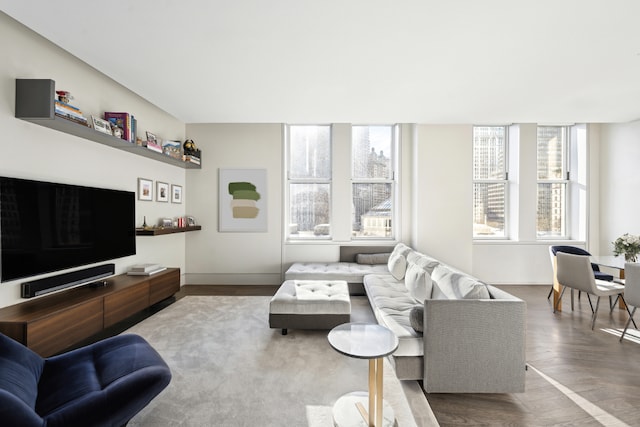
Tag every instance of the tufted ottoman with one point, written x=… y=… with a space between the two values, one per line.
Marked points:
x=310 y=304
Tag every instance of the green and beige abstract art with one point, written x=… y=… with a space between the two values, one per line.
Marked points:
x=244 y=200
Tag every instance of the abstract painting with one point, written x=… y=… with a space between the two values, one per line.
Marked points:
x=242 y=200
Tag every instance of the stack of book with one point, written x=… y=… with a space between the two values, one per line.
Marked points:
x=125 y=121
x=192 y=157
x=69 y=112
x=145 y=269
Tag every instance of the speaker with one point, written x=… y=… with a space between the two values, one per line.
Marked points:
x=66 y=280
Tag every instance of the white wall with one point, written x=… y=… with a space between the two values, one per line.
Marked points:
x=619 y=182
x=213 y=257
x=34 y=152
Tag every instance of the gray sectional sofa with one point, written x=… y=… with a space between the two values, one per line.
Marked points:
x=457 y=334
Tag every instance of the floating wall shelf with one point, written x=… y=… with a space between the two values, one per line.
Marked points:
x=160 y=231
x=35 y=104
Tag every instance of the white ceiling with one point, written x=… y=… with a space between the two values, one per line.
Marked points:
x=359 y=61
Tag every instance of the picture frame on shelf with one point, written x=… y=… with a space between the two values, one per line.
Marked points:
x=166 y=223
x=101 y=125
x=151 y=137
x=162 y=191
x=176 y=193
x=191 y=221
x=145 y=189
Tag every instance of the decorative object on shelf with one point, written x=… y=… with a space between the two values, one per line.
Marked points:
x=101 y=125
x=162 y=191
x=242 y=201
x=191 y=221
x=176 y=193
x=64 y=96
x=191 y=152
x=627 y=245
x=166 y=223
x=145 y=189
x=171 y=149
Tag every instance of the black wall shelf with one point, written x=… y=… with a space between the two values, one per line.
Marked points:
x=35 y=104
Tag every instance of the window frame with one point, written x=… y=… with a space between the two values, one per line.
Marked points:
x=504 y=181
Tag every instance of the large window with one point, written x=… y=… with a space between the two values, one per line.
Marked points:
x=553 y=177
x=309 y=181
x=372 y=182
x=489 y=181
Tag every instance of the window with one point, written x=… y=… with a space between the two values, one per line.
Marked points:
x=490 y=180
x=553 y=177
x=372 y=181
x=309 y=181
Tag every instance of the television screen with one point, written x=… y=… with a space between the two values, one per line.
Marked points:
x=46 y=227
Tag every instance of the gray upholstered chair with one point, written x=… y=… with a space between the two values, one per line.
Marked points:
x=553 y=250
x=631 y=291
x=575 y=272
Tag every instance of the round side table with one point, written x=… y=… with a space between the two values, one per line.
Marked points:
x=372 y=342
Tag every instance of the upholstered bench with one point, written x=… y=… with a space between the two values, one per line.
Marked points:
x=310 y=304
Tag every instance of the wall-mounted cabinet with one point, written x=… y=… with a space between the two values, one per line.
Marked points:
x=35 y=103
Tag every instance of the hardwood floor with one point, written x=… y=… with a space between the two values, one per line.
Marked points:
x=576 y=376
x=597 y=378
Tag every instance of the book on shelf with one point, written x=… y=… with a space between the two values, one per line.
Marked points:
x=191 y=159
x=154 y=147
x=123 y=121
x=81 y=121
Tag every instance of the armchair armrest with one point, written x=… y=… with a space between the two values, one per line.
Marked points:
x=475 y=346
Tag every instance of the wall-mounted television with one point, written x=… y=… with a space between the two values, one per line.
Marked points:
x=47 y=227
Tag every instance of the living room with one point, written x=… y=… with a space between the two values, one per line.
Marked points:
x=433 y=152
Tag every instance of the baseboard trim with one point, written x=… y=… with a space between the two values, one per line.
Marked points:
x=232 y=279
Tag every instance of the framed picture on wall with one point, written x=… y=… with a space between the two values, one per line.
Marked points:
x=145 y=189
x=242 y=200
x=176 y=193
x=162 y=192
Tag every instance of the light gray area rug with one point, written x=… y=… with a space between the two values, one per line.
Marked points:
x=230 y=369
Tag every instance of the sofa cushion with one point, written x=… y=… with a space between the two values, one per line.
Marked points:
x=397 y=266
x=371 y=259
x=20 y=371
x=391 y=305
x=452 y=284
x=418 y=282
x=416 y=318
x=348 y=271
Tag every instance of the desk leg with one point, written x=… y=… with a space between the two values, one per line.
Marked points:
x=372 y=392
x=621 y=304
x=556 y=287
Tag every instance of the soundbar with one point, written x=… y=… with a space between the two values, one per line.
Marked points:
x=61 y=281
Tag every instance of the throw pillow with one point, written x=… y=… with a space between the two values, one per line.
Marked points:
x=416 y=318
x=372 y=259
x=418 y=282
x=452 y=284
x=397 y=266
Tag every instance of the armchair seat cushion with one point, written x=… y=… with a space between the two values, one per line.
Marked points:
x=102 y=384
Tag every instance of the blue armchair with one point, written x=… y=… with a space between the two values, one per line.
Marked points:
x=102 y=384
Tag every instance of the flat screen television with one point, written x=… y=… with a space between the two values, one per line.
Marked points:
x=47 y=227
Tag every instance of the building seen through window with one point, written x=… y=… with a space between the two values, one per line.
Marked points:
x=489 y=181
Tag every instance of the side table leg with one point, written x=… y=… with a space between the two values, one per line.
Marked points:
x=372 y=392
x=379 y=392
